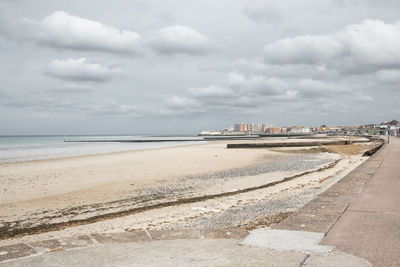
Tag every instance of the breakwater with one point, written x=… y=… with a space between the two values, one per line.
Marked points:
x=290 y=144
x=134 y=141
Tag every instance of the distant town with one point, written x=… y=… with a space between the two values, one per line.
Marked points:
x=384 y=128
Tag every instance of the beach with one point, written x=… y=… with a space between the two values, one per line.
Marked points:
x=185 y=186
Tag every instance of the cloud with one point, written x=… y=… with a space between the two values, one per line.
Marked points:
x=256 y=84
x=180 y=106
x=243 y=93
x=365 y=47
x=66 y=31
x=388 y=76
x=112 y=108
x=303 y=50
x=180 y=39
x=63 y=30
x=60 y=105
x=211 y=92
x=247 y=93
x=310 y=88
x=80 y=70
x=262 y=11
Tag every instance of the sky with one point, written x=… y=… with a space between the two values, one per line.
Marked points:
x=179 y=67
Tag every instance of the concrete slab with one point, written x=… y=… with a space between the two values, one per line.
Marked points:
x=331 y=208
x=382 y=197
x=286 y=240
x=15 y=251
x=335 y=198
x=183 y=252
x=47 y=245
x=373 y=236
x=225 y=233
x=62 y=244
x=318 y=226
x=139 y=236
x=172 y=235
x=335 y=259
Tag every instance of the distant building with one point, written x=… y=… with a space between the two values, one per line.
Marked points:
x=255 y=127
x=263 y=127
x=249 y=127
x=237 y=127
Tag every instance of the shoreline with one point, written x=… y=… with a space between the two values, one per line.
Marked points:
x=95 y=154
x=65 y=155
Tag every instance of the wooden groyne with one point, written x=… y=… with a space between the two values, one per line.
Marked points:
x=374 y=149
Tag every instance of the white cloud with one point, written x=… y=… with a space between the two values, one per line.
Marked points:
x=180 y=39
x=368 y=46
x=80 y=70
x=63 y=30
x=303 y=50
x=212 y=91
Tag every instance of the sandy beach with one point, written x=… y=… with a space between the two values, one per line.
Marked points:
x=204 y=185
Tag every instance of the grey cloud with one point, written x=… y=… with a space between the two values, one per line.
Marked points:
x=58 y=105
x=287 y=71
x=389 y=76
x=242 y=93
x=180 y=39
x=310 y=88
x=180 y=106
x=263 y=11
x=256 y=84
x=344 y=3
x=212 y=92
x=113 y=108
x=81 y=70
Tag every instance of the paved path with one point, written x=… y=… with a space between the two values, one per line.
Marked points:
x=370 y=227
x=185 y=252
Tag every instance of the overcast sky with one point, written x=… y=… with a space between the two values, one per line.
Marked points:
x=181 y=66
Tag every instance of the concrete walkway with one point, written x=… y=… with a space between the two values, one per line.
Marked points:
x=185 y=252
x=370 y=227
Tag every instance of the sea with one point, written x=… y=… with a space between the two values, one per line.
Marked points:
x=25 y=148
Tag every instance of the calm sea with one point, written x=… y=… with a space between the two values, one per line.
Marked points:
x=22 y=148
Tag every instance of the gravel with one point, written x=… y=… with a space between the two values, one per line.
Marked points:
x=272 y=163
x=234 y=217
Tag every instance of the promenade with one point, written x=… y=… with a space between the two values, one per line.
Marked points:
x=356 y=222
x=370 y=226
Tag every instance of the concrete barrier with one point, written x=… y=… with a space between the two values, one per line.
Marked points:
x=290 y=144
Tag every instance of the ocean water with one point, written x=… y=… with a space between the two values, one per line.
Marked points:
x=23 y=148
